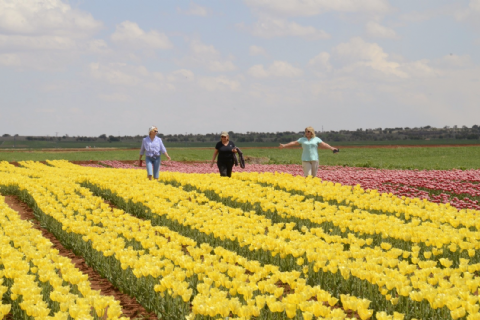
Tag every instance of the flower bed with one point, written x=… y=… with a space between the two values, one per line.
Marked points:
x=265 y=245
x=459 y=188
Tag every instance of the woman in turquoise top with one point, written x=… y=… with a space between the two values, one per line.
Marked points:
x=310 y=144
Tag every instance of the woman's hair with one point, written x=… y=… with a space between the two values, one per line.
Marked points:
x=152 y=128
x=310 y=129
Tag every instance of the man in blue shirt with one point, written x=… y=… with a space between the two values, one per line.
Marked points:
x=310 y=143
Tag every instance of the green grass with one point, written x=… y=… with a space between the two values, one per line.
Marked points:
x=443 y=158
x=405 y=142
x=120 y=144
x=26 y=144
x=69 y=144
x=69 y=155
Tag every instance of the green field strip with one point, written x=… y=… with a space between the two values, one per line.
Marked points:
x=441 y=158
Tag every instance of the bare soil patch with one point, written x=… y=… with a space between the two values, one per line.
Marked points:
x=131 y=308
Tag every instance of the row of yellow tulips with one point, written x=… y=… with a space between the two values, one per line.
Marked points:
x=438 y=214
x=357 y=223
x=41 y=283
x=4 y=308
x=383 y=272
x=391 y=275
x=262 y=280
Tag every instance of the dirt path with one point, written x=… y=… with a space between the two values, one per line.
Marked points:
x=131 y=308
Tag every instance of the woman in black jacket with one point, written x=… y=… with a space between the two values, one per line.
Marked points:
x=225 y=149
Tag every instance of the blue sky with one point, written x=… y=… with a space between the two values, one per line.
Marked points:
x=118 y=67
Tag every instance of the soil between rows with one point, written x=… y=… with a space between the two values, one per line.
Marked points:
x=131 y=308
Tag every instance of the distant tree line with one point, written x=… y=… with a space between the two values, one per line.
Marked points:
x=40 y=138
x=378 y=134
x=423 y=133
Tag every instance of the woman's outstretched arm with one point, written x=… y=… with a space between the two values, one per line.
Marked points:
x=290 y=144
x=324 y=145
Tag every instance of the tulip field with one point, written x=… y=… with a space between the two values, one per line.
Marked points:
x=351 y=243
x=460 y=188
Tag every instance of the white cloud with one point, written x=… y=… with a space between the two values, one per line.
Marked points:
x=284 y=69
x=473 y=10
x=53 y=87
x=194 y=10
x=415 y=16
x=221 y=66
x=115 y=97
x=28 y=43
x=44 y=34
x=258 y=71
x=375 y=29
x=41 y=60
x=98 y=46
x=130 y=34
x=475 y=5
x=10 y=60
x=272 y=27
x=138 y=77
x=219 y=83
x=53 y=17
x=315 y=7
x=321 y=61
x=45 y=110
x=419 y=69
x=359 y=53
x=181 y=75
x=124 y=75
x=199 y=48
x=277 y=69
x=257 y=51
x=116 y=74
x=207 y=56
x=455 y=61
